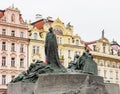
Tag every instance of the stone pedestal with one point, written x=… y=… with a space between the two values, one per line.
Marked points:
x=20 y=88
x=61 y=84
x=69 y=84
x=112 y=88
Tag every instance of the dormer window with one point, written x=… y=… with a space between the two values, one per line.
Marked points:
x=77 y=42
x=94 y=47
x=35 y=35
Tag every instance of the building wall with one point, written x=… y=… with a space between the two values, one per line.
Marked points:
x=12 y=21
x=108 y=63
x=65 y=39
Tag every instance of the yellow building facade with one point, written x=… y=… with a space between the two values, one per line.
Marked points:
x=108 y=62
x=70 y=44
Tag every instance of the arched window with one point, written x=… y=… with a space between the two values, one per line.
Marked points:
x=13 y=47
x=77 y=42
x=12 y=62
x=3 y=45
x=3 y=61
x=21 y=63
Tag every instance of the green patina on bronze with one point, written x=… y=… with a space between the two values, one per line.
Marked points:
x=84 y=64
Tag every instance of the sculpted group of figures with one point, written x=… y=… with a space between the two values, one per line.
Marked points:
x=80 y=64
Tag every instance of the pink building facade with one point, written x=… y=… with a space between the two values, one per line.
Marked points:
x=13 y=45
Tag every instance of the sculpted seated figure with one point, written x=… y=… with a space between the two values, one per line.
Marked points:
x=84 y=64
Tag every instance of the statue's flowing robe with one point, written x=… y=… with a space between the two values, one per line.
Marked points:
x=90 y=66
x=51 y=50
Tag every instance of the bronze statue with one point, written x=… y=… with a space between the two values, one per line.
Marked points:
x=53 y=64
x=51 y=50
x=84 y=64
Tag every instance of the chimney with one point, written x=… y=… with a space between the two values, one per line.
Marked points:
x=103 y=34
x=49 y=18
x=38 y=17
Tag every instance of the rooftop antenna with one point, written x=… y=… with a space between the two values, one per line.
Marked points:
x=12 y=5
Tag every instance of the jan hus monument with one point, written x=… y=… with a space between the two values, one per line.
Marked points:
x=53 y=78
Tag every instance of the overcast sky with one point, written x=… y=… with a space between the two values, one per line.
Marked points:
x=89 y=17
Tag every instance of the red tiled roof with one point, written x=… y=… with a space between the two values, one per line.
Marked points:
x=39 y=24
x=88 y=43
x=91 y=42
x=1 y=14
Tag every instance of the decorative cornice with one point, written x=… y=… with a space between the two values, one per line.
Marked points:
x=13 y=38
x=22 y=26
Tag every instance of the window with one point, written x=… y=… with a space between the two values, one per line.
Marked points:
x=21 y=34
x=35 y=35
x=33 y=49
x=112 y=52
x=111 y=74
x=119 y=52
x=60 y=40
x=99 y=73
x=3 y=79
x=94 y=47
x=21 y=48
x=57 y=39
x=3 y=45
x=3 y=61
x=103 y=49
x=12 y=77
x=13 y=47
x=60 y=52
x=13 y=33
x=12 y=62
x=116 y=75
x=68 y=40
x=21 y=63
x=69 y=53
x=98 y=61
x=37 y=50
x=105 y=63
x=77 y=42
x=4 y=31
x=105 y=73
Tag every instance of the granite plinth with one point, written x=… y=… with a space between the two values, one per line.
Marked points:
x=69 y=84
x=112 y=88
x=61 y=84
x=20 y=88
